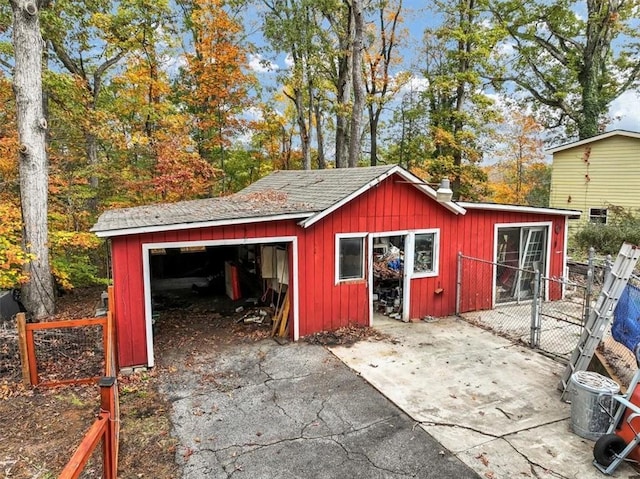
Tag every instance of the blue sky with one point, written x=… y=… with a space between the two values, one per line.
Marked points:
x=625 y=111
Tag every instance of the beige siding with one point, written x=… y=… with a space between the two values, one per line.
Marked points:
x=605 y=172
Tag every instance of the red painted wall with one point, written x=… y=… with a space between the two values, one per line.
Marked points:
x=128 y=278
x=390 y=206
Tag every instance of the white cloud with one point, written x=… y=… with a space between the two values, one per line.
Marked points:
x=506 y=48
x=414 y=85
x=261 y=65
x=254 y=114
x=288 y=61
x=625 y=111
x=173 y=64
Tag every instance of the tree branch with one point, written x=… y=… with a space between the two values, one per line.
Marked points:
x=6 y=64
x=97 y=75
x=66 y=60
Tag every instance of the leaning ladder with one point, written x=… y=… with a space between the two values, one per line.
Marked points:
x=601 y=314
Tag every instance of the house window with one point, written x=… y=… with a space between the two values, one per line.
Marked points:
x=425 y=256
x=350 y=258
x=598 y=215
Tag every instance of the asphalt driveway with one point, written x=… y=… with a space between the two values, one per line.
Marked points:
x=263 y=410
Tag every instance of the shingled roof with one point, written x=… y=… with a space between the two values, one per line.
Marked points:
x=308 y=195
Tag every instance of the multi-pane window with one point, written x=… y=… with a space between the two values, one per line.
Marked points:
x=598 y=215
x=425 y=257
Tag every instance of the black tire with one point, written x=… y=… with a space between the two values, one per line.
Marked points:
x=607 y=447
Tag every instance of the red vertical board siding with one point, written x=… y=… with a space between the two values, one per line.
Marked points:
x=128 y=289
x=390 y=206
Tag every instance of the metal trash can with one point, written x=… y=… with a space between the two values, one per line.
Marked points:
x=591 y=403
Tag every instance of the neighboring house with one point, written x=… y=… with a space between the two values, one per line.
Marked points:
x=593 y=174
x=320 y=234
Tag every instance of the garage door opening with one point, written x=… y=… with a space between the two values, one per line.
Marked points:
x=230 y=290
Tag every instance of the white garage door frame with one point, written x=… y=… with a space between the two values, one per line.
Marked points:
x=146 y=268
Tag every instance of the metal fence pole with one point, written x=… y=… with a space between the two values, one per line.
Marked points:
x=459 y=283
x=589 y=289
x=534 y=340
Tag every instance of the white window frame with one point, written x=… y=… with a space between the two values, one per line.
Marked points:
x=599 y=216
x=436 y=253
x=362 y=237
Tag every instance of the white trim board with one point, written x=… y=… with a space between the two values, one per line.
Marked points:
x=521 y=209
x=196 y=225
x=586 y=141
x=146 y=268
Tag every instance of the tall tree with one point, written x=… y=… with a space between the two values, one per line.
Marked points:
x=339 y=50
x=292 y=27
x=573 y=58
x=410 y=144
x=32 y=125
x=457 y=56
x=380 y=55
x=518 y=176
x=359 y=92
x=218 y=80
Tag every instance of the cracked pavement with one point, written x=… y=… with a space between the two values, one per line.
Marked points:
x=493 y=404
x=262 y=410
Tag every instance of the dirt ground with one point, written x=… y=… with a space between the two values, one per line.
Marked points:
x=40 y=428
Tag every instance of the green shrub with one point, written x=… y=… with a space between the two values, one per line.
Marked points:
x=623 y=225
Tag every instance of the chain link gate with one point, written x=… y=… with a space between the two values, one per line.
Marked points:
x=552 y=327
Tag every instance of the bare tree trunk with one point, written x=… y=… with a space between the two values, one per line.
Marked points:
x=322 y=161
x=304 y=131
x=343 y=95
x=342 y=125
x=359 y=94
x=34 y=168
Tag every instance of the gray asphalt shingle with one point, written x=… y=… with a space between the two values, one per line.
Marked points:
x=298 y=192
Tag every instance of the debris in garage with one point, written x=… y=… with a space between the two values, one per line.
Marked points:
x=388 y=277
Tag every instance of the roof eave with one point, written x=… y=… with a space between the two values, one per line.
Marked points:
x=194 y=225
x=586 y=141
x=571 y=214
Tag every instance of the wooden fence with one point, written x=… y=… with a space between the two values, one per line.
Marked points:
x=30 y=350
x=106 y=428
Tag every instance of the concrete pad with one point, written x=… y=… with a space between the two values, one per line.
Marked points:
x=492 y=403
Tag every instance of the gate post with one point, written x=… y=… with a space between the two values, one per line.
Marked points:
x=107 y=385
x=589 y=290
x=534 y=339
x=459 y=283
x=22 y=344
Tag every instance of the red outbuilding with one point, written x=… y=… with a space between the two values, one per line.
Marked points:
x=343 y=244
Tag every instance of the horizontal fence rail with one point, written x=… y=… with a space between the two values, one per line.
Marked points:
x=63 y=352
x=105 y=431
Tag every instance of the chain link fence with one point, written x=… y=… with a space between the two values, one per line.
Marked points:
x=514 y=303
x=511 y=316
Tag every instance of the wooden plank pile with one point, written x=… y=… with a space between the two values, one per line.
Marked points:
x=280 y=327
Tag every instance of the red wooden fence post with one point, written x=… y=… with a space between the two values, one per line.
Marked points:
x=109 y=448
x=31 y=356
x=111 y=309
x=22 y=345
